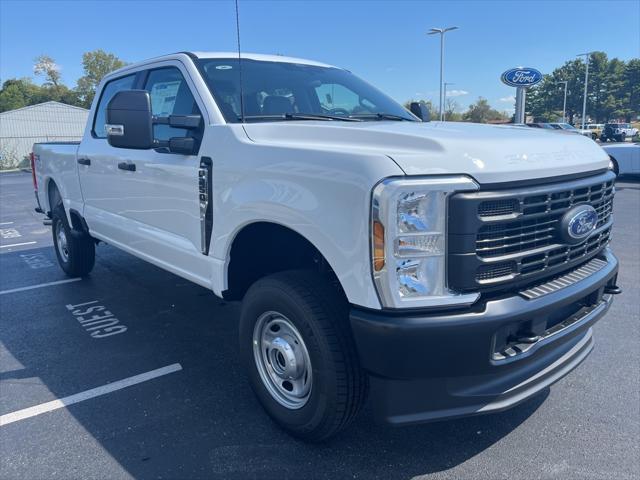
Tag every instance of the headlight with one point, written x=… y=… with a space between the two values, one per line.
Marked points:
x=408 y=244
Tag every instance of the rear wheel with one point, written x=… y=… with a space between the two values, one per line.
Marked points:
x=75 y=250
x=297 y=347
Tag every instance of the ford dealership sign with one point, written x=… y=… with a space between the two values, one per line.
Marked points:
x=521 y=77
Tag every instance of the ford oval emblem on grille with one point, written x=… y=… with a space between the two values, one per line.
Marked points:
x=578 y=223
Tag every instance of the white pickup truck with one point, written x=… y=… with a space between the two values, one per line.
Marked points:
x=443 y=269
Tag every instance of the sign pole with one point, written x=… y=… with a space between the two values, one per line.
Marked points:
x=521 y=94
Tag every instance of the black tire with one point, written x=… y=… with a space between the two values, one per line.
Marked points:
x=78 y=256
x=320 y=313
x=623 y=137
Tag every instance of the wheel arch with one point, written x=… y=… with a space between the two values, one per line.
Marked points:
x=616 y=164
x=54 y=198
x=261 y=248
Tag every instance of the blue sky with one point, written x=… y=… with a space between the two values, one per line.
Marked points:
x=381 y=41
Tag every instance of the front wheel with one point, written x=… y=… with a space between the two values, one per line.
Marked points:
x=296 y=344
x=75 y=250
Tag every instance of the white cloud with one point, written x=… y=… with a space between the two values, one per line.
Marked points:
x=456 y=93
x=508 y=99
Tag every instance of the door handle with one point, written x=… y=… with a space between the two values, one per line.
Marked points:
x=84 y=161
x=127 y=166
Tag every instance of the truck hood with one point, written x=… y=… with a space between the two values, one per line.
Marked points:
x=489 y=153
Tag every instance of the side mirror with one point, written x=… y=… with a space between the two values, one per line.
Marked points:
x=130 y=120
x=420 y=110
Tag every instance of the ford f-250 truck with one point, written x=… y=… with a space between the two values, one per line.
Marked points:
x=443 y=269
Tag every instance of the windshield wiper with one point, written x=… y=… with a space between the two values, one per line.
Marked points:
x=301 y=116
x=381 y=116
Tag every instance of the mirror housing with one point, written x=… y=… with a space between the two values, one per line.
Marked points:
x=420 y=110
x=130 y=121
x=188 y=122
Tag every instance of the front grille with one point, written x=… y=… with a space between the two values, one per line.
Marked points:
x=538 y=218
x=502 y=236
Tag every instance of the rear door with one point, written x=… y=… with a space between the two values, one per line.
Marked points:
x=97 y=162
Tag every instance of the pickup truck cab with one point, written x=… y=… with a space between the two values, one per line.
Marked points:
x=443 y=269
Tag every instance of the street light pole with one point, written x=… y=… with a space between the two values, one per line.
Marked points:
x=587 y=57
x=564 y=103
x=441 y=32
x=445 y=98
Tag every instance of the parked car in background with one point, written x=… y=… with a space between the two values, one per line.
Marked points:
x=539 y=125
x=570 y=128
x=618 y=132
x=595 y=129
x=624 y=157
x=550 y=126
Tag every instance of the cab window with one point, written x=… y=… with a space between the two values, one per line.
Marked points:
x=109 y=90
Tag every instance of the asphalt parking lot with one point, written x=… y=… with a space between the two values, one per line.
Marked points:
x=162 y=394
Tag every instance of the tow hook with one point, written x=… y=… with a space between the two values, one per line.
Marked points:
x=528 y=338
x=612 y=290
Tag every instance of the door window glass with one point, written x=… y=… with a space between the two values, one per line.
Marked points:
x=170 y=95
x=109 y=90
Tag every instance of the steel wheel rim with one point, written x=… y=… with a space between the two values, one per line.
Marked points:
x=62 y=244
x=282 y=360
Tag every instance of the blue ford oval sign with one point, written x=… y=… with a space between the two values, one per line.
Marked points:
x=578 y=223
x=583 y=223
x=521 y=77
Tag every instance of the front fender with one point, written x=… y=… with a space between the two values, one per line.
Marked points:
x=322 y=195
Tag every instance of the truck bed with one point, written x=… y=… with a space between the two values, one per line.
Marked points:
x=55 y=164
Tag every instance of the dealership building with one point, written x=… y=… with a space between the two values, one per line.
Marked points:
x=44 y=122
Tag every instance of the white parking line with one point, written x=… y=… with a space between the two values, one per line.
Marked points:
x=6 y=223
x=40 y=285
x=17 y=244
x=86 y=395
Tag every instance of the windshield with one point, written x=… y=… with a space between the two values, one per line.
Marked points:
x=566 y=126
x=289 y=91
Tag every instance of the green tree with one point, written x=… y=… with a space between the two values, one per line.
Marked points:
x=613 y=90
x=631 y=100
x=18 y=93
x=544 y=101
x=481 y=112
x=97 y=64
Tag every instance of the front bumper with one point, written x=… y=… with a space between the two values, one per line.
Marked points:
x=439 y=365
